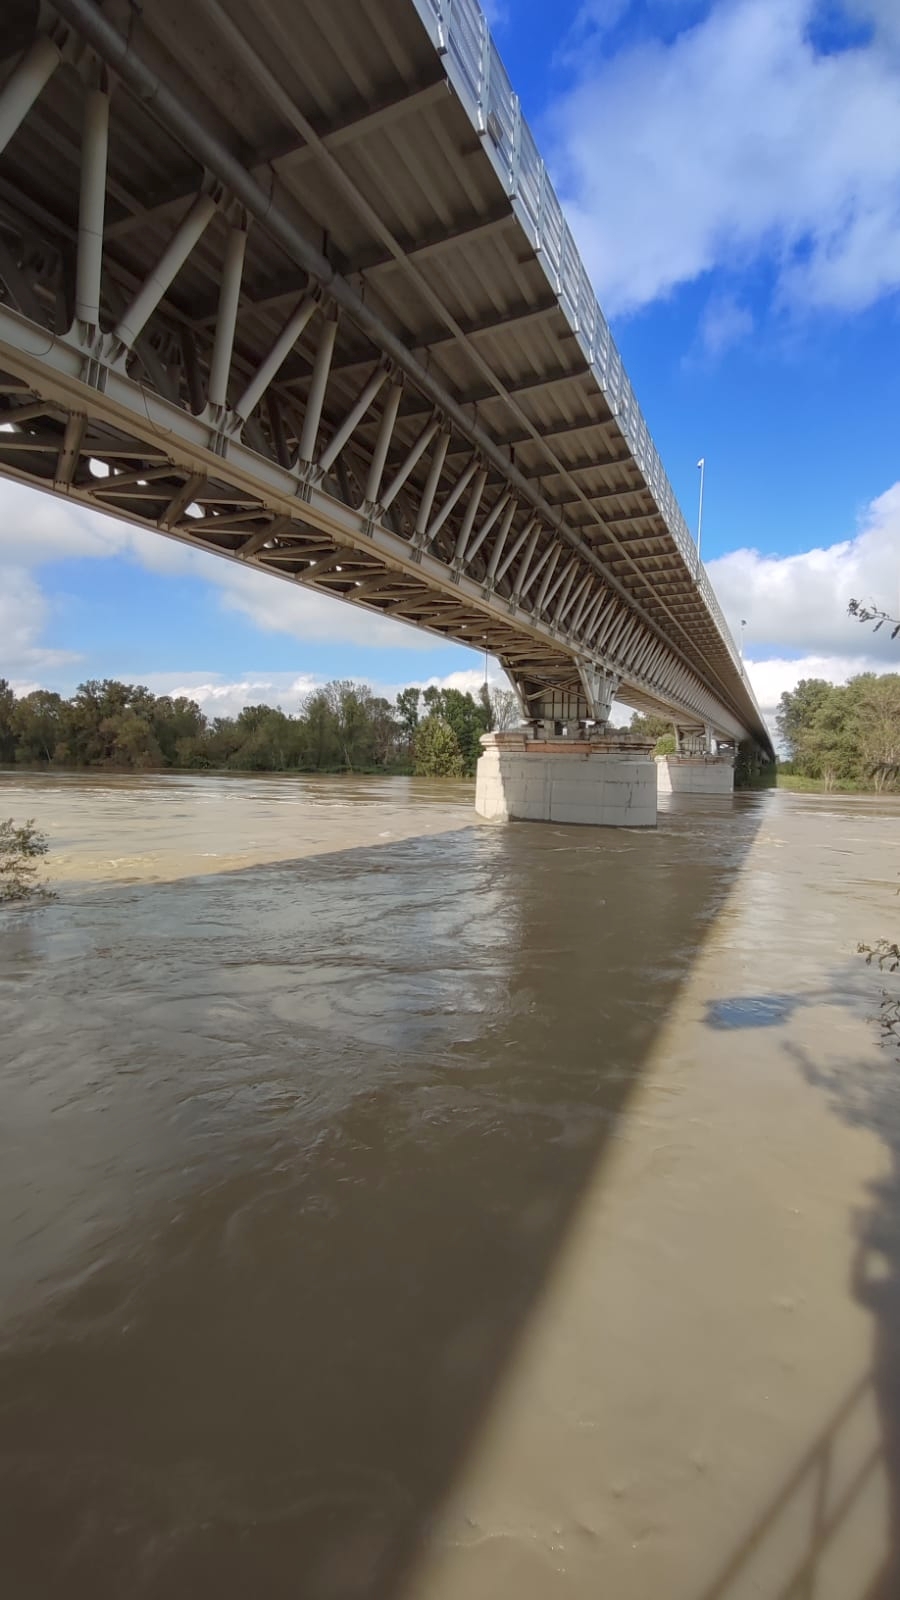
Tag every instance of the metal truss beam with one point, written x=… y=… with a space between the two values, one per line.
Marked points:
x=126 y=420
x=472 y=531
x=217 y=159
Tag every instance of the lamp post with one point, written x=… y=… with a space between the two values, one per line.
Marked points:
x=702 y=468
x=743 y=626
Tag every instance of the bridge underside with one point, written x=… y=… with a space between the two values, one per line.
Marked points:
x=274 y=298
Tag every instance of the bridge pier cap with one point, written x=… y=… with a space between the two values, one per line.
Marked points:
x=695 y=774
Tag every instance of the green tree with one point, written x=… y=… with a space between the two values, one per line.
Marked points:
x=875 y=705
x=468 y=718
x=652 y=727
x=222 y=739
x=847 y=733
x=8 y=734
x=40 y=720
x=408 y=709
x=130 y=742
x=796 y=711
x=178 y=726
x=437 y=749
x=273 y=744
x=92 y=720
x=321 y=740
x=824 y=746
x=386 y=732
x=350 y=705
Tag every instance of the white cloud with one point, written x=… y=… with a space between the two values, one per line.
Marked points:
x=218 y=696
x=725 y=322
x=23 y=617
x=798 y=603
x=796 y=606
x=774 y=677
x=37 y=528
x=738 y=139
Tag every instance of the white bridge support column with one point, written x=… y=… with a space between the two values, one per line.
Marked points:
x=695 y=774
x=604 y=783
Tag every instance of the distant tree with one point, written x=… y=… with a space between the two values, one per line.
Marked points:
x=844 y=733
x=321 y=740
x=651 y=727
x=437 y=749
x=273 y=743
x=8 y=733
x=130 y=742
x=469 y=719
x=222 y=739
x=825 y=746
x=350 y=704
x=408 y=710
x=386 y=732
x=504 y=710
x=876 y=717
x=92 y=722
x=797 y=709
x=39 y=722
x=179 y=725
x=342 y=725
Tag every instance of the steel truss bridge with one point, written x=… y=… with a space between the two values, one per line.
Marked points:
x=289 y=282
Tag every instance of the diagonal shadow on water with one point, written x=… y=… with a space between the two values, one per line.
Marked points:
x=788 y=1551
x=289 y=1154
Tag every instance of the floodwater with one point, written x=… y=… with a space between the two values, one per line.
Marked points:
x=402 y=1207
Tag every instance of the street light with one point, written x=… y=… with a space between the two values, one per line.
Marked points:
x=702 y=469
x=743 y=626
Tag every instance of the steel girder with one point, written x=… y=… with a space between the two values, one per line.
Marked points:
x=116 y=401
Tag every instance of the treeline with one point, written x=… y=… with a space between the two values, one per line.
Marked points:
x=847 y=734
x=342 y=727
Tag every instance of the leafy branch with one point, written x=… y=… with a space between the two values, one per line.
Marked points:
x=20 y=849
x=868 y=613
x=886 y=956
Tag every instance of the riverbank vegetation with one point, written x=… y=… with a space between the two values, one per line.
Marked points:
x=21 y=848
x=842 y=736
x=342 y=727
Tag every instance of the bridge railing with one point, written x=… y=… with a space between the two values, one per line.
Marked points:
x=461 y=33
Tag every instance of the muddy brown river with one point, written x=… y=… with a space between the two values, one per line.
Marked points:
x=399 y=1207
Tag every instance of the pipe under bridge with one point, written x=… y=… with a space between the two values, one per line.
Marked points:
x=290 y=283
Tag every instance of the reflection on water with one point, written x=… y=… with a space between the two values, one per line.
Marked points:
x=752 y=1011
x=300 y=1162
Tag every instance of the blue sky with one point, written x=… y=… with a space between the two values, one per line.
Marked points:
x=731 y=169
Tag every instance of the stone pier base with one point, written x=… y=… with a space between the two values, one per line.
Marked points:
x=695 y=774
x=608 y=784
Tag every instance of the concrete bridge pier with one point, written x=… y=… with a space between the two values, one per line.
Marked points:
x=698 y=766
x=605 y=781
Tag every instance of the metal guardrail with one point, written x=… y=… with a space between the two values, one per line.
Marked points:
x=461 y=33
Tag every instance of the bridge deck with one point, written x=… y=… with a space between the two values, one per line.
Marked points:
x=423 y=202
